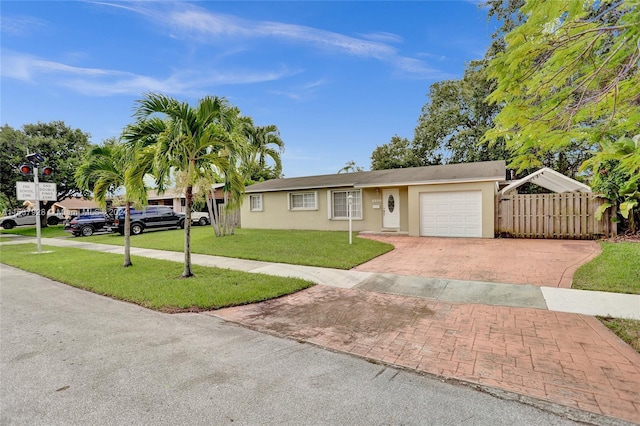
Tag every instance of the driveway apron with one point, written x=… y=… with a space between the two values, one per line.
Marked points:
x=568 y=363
x=517 y=261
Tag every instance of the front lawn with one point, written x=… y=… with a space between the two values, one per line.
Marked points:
x=154 y=284
x=51 y=231
x=312 y=248
x=616 y=270
x=626 y=329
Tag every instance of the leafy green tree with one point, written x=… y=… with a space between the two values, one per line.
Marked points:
x=61 y=146
x=455 y=119
x=191 y=142
x=264 y=143
x=509 y=15
x=397 y=154
x=567 y=79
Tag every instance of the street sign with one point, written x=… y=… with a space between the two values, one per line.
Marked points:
x=48 y=191
x=27 y=191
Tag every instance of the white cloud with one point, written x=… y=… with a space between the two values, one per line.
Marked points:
x=301 y=93
x=191 y=21
x=104 y=82
x=383 y=37
x=20 y=25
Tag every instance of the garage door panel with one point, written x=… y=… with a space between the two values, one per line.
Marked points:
x=451 y=214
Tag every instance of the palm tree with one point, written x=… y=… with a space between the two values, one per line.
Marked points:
x=190 y=142
x=103 y=171
x=264 y=142
x=350 y=167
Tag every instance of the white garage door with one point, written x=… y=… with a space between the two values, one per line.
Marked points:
x=451 y=214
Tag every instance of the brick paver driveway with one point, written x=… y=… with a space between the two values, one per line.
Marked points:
x=566 y=359
x=518 y=261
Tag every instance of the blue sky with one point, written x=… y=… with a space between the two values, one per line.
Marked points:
x=337 y=78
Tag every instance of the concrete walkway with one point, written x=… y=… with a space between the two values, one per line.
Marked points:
x=539 y=345
x=496 y=294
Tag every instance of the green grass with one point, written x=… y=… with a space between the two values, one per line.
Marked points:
x=312 y=248
x=626 y=329
x=154 y=284
x=616 y=270
x=30 y=231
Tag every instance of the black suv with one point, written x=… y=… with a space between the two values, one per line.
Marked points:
x=151 y=217
x=86 y=224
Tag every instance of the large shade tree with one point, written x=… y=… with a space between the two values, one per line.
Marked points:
x=63 y=149
x=396 y=154
x=191 y=143
x=451 y=126
x=455 y=118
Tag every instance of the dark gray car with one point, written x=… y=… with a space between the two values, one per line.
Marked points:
x=151 y=218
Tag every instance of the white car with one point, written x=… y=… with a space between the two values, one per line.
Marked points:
x=28 y=217
x=200 y=218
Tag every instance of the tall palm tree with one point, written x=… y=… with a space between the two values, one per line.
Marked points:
x=350 y=167
x=264 y=142
x=103 y=171
x=188 y=141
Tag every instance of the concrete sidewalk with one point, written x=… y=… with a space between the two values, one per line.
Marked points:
x=590 y=303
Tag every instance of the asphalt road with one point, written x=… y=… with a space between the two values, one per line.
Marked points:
x=72 y=357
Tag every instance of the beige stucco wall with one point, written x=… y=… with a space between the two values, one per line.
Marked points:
x=275 y=213
x=488 y=203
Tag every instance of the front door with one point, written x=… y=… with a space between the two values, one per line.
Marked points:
x=391 y=208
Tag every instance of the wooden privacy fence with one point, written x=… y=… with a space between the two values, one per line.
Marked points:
x=566 y=215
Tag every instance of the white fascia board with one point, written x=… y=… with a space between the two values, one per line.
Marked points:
x=300 y=188
x=429 y=182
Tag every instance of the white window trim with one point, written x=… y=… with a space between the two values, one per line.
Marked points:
x=258 y=196
x=315 y=201
x=330 y=215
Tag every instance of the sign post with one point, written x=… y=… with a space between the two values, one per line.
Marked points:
x=38 y=231
x=350 y=201
x=36 y=190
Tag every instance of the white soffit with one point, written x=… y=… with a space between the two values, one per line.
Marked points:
x=551 y=180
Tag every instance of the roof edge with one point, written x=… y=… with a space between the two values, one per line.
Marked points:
x=433 y=182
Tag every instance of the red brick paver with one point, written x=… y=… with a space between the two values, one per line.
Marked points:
x=568 y=359
x=548 y=263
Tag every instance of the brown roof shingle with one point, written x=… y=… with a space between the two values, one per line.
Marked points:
x=464 y=172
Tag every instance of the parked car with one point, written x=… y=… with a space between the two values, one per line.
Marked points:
x=152 y=218
x=200 y=218
x=86 y=224
x=28 y=217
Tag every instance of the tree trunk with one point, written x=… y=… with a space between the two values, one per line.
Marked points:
x=188 y=272
x=127 y=235
x=214 y=214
